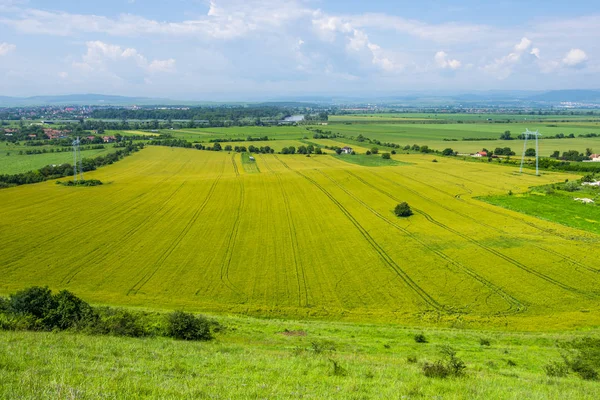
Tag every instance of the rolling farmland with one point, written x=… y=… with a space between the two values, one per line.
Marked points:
x=298 y=236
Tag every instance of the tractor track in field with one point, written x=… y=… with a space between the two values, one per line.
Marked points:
x=471 y=240
x=226 y=264
x=556 y=253
x=101 y=217
x=158 y=264
x=548 y=231
x=122 y=239
x=302 y=287
x=382 y=254
x=515 y=306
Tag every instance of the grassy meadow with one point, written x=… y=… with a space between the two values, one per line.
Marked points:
x=11 y=162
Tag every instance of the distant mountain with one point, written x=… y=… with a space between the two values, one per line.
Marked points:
x=84 y=99
x=575 y=96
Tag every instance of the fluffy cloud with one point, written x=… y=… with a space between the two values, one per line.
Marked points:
x=6 y=48
x=522 y=52
x=441 y=59
x=574 y=58
x=102 y=56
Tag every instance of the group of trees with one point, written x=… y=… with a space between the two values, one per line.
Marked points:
x=38 y=309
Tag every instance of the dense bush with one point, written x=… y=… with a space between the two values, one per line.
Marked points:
x=450 y=365
x=36 y=308
x=403 y=210
x=420 y=338
x=186 y=326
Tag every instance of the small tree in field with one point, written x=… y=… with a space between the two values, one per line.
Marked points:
x=403 y=210
x=386 y=156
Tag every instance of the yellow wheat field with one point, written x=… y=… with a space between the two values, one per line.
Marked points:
x=306 y=236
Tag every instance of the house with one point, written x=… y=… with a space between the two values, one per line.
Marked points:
x=346 y=150
x=480 y=154
x=32 y=136
x=90 y=138
x=108 y=139
x=595 y=157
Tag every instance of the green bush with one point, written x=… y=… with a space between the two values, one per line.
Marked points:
x=186 y=326
x=386 y=156
x=420 y=338
x=119 y=322
x=451 y=365
x=403 y=210
x=556 y=369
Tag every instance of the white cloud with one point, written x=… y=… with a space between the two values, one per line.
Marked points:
x=162 y=65
x=574 y=58
x=442 y=61
x=503 y=67
x=101 y=56
x=6 y=48
x=63 y=75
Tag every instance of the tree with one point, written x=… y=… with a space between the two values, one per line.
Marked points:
x=506 y=136
x=386 y=156
x=555 y=154
x=448 y=152
x=228 y=147
x=425 y=149
x=403 y=210
x=374 y=150
x=217 y=147
x=530 y=153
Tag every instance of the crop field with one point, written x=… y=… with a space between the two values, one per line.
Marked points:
x=11 y=162
x=307 y=236
x=454 y=117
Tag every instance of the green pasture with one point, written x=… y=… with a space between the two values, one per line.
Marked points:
x=288 y=359
x=11 y=162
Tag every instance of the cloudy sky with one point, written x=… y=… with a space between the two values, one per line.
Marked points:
x=199 y=49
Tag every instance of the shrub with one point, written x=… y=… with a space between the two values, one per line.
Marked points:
x=374 y=150
x=119 y=322
x=186 y=326
x=572 y=186
x=386 y=156
x=484 y=342
x=368 y=152
x=556 y=369
x=403 y=210
x=451 y=365
x=338 y=370
x=322 y=346
x=70 y=311
x=36 y=301
x=411 y=359
x=435 y=370
x=420 y=338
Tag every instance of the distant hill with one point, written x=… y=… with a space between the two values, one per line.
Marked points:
x=576 y=96
x=85 y=99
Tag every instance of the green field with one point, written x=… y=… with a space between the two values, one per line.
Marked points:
x=558 y=206
x=259 y=358
x=178 y=227
x=11 y=162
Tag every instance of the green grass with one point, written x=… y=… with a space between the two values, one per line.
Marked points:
x=250 y=166
x=373 y=160
x=558 y=206
x=11 y=162
x=254 y=358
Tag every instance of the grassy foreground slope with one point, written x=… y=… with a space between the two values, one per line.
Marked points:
x=286 y=359
x=303 y=237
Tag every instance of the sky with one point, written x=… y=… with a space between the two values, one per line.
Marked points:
x=246 y=49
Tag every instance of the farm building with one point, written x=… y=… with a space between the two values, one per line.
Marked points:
x=595 y=157
x=108 y=139
x=347 y=150
x=480 y=154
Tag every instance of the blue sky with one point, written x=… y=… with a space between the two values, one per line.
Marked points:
x=242 y=49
